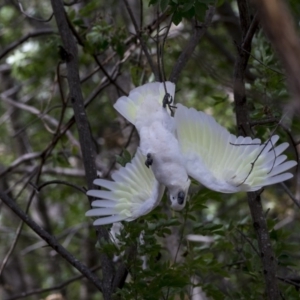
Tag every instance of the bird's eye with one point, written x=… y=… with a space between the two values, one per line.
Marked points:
x=180 y=197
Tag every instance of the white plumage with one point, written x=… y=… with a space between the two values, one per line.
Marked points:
x=226 y=163
x=144 y=108
x=190 y=144
x=133 y=192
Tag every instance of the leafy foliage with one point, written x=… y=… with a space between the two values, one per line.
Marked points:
x=210 y=247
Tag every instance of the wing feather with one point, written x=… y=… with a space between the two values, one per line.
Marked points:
x=102 y=194
x=226 y=163
x=108 y=220
x=103 y=203
x=133 y=192
x=105 y=183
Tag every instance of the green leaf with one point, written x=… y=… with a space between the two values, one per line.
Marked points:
x=200 y=11
x=177 y=17
x=189 y=14
x=153 y=2
x=206 y=1
x=124 y=158
x=219 y=99
x=163 y=4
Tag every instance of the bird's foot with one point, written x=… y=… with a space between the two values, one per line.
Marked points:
x=149 y=160
x=167 y=100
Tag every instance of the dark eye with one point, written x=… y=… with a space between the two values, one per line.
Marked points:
x=180 y=197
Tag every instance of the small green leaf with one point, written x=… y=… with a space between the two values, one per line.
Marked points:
x=124 y=158
x=200 y=11
x=163 y=5
x=153 y=2
x=177 y=17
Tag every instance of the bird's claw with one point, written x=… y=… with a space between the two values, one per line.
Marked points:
x=149 y=160
x=167 y=100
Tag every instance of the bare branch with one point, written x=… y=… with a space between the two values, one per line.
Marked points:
x=19 y=229
x=278 y=23
x=85 y=137
x=52 y=288
x=17 y=43
x=72 y=172
x=36 y=19
x=51 y=241
x=287 y=190
x=41 y=116
x=199 y=31
x=143 y=44
x=61 y=182
x=75 y=91
x=248 y=241
x=22 y=159
x=254 y=201
x=290 y=281
x=72 y=2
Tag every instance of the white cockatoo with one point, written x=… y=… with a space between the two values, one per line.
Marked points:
x=146 y=108
x=190 y=144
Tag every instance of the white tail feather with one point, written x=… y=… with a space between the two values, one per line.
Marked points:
x=108 y=220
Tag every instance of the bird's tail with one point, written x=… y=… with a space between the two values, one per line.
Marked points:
x=128 y=106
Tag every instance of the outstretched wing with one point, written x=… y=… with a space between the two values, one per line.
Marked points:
x=133 y=192
x=128 y=106
x=224 y=162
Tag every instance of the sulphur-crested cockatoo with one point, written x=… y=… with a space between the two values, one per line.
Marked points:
x=133 y=192
x=192 y=143
x=146 y=109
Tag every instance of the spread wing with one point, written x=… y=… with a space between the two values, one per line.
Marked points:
x=128 y=106
x=133 y=192
x=224 y=162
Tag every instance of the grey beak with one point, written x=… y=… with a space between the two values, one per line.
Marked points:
x=180 y=197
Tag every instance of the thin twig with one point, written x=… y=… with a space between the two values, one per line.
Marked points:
x=33 y=18
x=293 y=198
x=18 y=231
x=51 y=241
x=249 y=241
x=289 y=281
x=52 y=288
x=278 y=22
x=72 y=172
x=199 y=31
x=72 y=2
x=61 y=182
x=17 y=43
x=22 y=159
x=143 y=44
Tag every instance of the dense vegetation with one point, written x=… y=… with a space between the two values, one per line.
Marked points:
x=225 y=60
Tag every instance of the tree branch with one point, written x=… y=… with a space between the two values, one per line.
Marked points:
x=38 y=188
x=191 y=45
x=85 y=136
x=51 y=240
x=20 y=160
x=278 y=24
x=52 y=288
x=254 y=201
x=143 y=44
x=29 y=16
x=15 y=44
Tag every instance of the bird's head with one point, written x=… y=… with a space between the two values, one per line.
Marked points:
x=178 y=195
